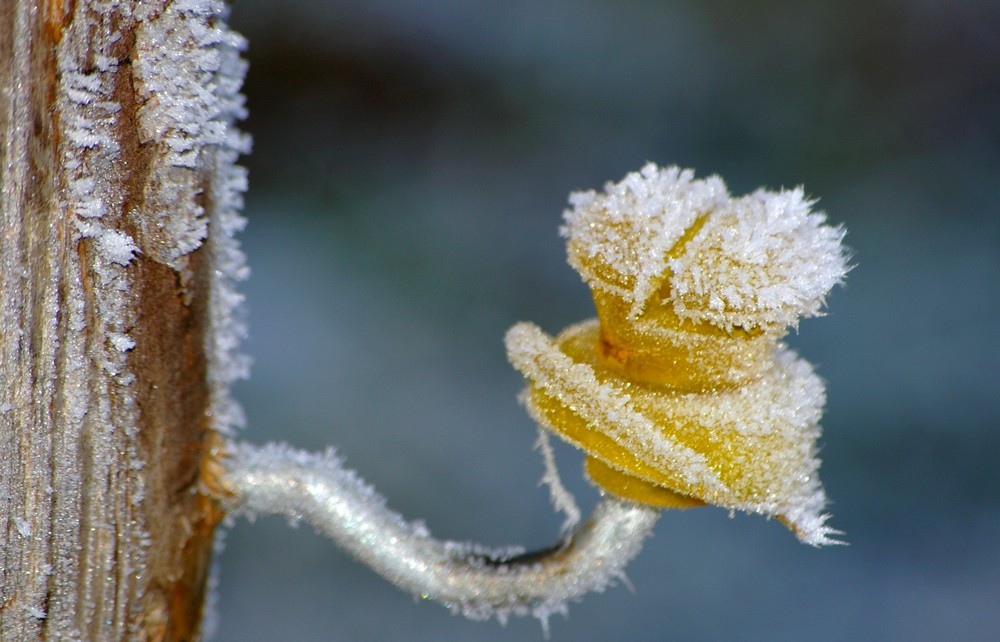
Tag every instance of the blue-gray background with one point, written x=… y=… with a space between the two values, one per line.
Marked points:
x=411 y=162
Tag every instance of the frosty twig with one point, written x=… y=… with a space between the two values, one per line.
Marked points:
x=478 y=582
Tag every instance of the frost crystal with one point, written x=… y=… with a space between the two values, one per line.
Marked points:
x=35 y=612
x=761 y=260
x=23 y=526
x=629 y=229
x=562 y=500
x=764 y=259
x=121 y=341
x=116 y=247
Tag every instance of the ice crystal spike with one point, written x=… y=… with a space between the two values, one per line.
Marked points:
x=680 y=392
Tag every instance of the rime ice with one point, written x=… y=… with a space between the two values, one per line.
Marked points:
x=680 y=392
x=470 y=579
x=116 y=247
x=73 y=466
x=764 y=259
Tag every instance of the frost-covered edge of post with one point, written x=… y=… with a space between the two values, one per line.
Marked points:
x=189 y=112
x=119 y=334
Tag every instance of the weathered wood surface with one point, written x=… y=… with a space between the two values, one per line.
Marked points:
x=118 y=200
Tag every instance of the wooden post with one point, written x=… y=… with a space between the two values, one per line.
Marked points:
x=118 y=201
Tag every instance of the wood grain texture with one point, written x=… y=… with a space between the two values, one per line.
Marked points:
x=112 y=391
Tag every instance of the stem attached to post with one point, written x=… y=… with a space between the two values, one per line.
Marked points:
x=276 y=479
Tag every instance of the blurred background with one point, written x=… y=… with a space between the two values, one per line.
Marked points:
x=411 y=162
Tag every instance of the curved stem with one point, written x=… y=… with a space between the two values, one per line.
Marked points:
x=277 y=479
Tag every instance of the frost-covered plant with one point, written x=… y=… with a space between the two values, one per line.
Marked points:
x=119 y=206
x=680 y=393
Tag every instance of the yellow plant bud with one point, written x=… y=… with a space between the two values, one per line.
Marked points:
x=680 y=392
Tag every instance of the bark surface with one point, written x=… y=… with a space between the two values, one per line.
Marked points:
x=112 y=390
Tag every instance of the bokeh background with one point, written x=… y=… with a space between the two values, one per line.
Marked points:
x=411 y=163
